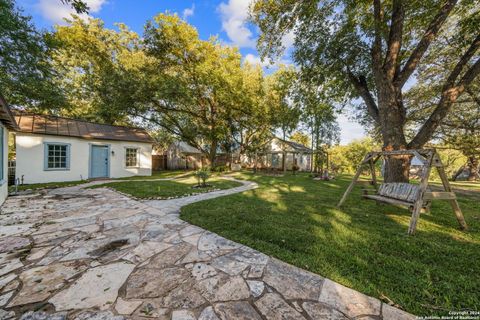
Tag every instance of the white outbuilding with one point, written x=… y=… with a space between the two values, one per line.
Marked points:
x=55 y=149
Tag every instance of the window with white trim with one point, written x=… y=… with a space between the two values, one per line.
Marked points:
x=131 y=157
x=57 y=156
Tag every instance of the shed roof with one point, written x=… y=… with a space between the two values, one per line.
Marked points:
x=295 y=146
x=59 y=126
x=184 y=147
x=6 y=116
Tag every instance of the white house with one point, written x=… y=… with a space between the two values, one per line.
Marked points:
x=53 y=149
x=271 y=156
x=7 y=123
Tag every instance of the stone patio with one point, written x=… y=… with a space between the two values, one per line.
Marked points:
x=76 y=253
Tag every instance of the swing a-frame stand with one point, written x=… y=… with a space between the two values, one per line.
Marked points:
x=414 y=197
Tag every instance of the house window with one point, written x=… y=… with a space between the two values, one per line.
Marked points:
x=131 y=157
x=57 y=156
x=275 y=160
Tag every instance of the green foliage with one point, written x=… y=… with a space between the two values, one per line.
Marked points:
x=221 y=168
x=318 y=114
x=26 y=77
x=365 y=52
x=345 y=159
x=199 y=90
x=98 y=69
x=280 y=90
x=79 y=5
x=452 y=159
x=202 y=176
x=300 y=137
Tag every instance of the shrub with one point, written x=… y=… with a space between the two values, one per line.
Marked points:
x=221 y=168
x=202 y=176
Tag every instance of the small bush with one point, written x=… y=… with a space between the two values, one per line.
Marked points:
x=220 y=168
x=202 y=176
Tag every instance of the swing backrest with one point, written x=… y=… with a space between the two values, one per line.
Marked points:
x=400 y=191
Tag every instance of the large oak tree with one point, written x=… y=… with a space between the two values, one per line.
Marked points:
x=371 y=50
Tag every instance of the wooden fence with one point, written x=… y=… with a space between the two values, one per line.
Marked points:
x=159 y=162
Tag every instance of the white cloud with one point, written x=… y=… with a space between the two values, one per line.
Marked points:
x=350 y=130
x=288 y=40
x=253 y=59
x=56 y=11
x=234 y=15
x=188 y=12
x=265 y=63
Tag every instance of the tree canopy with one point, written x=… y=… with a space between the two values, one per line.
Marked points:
x=168 y=79
x=25 y=73
x=371 y=50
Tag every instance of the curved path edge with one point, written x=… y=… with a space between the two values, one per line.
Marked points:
x=102 y=255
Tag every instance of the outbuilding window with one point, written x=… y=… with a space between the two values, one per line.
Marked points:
x=57 y=156
x=131 y=157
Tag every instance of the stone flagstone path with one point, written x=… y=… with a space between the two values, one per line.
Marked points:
x=75 y=253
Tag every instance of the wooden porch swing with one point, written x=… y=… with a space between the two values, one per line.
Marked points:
x=414 y=197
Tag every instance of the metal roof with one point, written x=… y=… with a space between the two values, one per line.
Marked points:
x=295 y=145
x=184 y=147
x=59 y=126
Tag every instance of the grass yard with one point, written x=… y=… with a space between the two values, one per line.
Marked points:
x=49 y=185
x=363 y=245
x=168 y=188
x=165 y=174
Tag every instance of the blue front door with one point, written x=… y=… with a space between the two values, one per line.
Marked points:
x=99 y=162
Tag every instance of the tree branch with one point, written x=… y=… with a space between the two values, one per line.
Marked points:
x=377 y=42
x=449 y=95
x=361 y=86
x=473 y=95
x=425 y=42
x=452 y=78
x=394 y=39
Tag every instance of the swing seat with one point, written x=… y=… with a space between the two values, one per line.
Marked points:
x=398 y=193
x=405 y=194
x=415 y=197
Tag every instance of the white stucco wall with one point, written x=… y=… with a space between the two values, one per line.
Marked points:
x=30 y=158
x=4 y=181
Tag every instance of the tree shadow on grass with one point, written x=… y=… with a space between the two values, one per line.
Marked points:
x=363 y=245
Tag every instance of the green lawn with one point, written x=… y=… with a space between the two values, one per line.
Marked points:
x=168 y=188
x=363 y=245
x=49 y=185
x=166 y=174
x=53 y=185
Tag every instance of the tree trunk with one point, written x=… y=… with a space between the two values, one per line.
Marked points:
x=213 y=153
x=392 y=118
x=397 y=169
x=313 y=148
x=458 y=173
x=474 y=170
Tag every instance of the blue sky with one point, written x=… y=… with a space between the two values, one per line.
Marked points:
x=223 y=18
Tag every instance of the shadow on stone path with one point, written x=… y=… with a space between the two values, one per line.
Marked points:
x=75 y=253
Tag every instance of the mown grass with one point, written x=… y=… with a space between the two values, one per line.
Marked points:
x=49 y=185
x=166 y=174
x=363 y=245
x=168 y=188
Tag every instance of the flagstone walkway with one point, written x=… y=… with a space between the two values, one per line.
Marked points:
x=75 y=253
